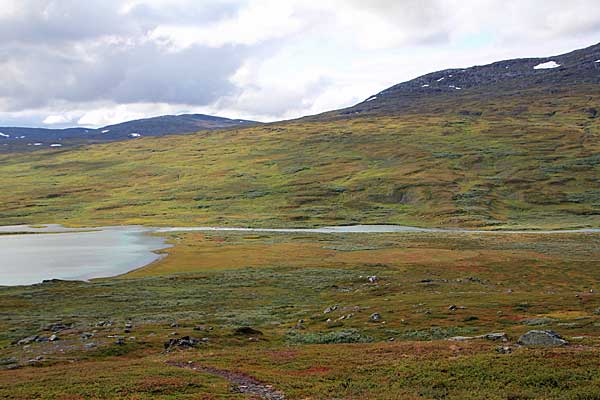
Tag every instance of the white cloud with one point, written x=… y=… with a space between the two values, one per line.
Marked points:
x=101 y=62
x=254 y=23
x=56 y=119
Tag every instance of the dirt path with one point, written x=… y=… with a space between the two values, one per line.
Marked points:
x=243 y=383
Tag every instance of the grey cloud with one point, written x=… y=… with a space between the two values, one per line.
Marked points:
x=77 y=51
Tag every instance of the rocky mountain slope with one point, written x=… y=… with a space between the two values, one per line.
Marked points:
x=20 y=138
x=451 y=89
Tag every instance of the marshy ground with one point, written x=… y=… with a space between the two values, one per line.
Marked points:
x=310 y=300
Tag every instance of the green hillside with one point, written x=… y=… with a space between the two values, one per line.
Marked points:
x=522 y=160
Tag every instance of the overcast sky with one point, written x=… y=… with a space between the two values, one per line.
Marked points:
x=97 y=62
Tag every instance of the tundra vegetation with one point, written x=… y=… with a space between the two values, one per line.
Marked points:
x=305 y=303
x=341 y=316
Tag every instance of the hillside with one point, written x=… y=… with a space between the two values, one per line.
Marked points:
x=522 y=150
x=26 y=139
x=473 y=91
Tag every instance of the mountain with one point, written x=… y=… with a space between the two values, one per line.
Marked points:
x=19 y=138
x=451 y=89
x=514 y=144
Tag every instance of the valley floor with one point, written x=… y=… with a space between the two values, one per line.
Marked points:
x=331 y=317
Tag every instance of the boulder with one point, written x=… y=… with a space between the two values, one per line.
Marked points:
x=182 y=343
x=375 y=317
x=504 y=349
x=28 y=340
x=330 y=309
x=539 y=321
x=247 y=331
x=542 y=338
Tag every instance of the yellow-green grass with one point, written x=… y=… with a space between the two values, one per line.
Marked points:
x=506 y=168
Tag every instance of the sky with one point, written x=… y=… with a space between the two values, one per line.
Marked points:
x=98 y=62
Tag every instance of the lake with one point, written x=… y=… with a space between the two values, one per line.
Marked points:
x=32 y=254
x=82 y=255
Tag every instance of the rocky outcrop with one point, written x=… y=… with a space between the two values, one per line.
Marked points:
x=542 y=338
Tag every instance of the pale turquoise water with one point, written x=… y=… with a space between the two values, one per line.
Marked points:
x=55 y=252
x=27 y=259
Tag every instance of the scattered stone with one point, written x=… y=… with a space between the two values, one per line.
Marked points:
x=8 y=361
x=542 y=338
x=504 y=349
x=58 y=326
x=496 y=336
x=488 y=336
x=539 y=321
x=35 y=360
x=104 y=324
x=120 y=341
x=53 y=338
x=372 y=279
x=174 y=325
x=28 y=340
x=375 y=317
x=202 y=328
x=86 y=335
x=299 y=325
x=247 y=331
x=128 y=325
x=330 y=309
x=184 y=342
x=90 y=345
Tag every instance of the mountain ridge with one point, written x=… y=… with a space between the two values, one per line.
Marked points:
x=27 y=138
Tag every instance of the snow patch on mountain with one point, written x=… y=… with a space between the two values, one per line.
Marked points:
x=547 y=65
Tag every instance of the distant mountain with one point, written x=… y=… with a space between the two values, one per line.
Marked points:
x=20 y=138
x=470 y=90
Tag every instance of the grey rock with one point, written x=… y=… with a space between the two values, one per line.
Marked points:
x=488 y=336
x=542 y=338
x=539 y=321
x=28 y=340
x=504 y=349
x=53 y=338
x=330 y=309
x=182 y=343
x=375 y=317
x=8 y=361
x=58 y=326
x=246 y=331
